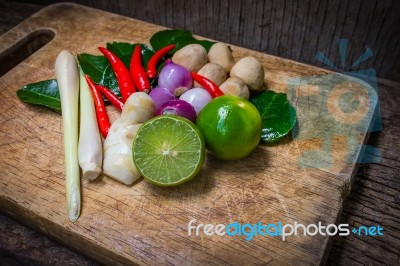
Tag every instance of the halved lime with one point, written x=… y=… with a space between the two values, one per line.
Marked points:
x=168 y=150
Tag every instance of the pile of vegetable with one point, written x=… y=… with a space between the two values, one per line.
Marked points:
x=179 y=75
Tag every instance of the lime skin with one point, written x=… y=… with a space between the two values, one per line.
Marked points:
x=231 y=127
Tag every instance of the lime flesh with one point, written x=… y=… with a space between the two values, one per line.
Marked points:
x=168 y=150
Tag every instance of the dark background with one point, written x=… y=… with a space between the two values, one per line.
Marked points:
x=286 y=28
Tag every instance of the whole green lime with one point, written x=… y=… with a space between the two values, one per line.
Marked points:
x=231 y=127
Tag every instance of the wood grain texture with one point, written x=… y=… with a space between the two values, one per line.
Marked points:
x=287 y=29
x=141 y=210
x=346 y=251
x=10 y=17
x=20 y=245
x=375 y=196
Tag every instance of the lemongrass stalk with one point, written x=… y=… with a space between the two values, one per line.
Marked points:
x=90 y=150
x=67 y=75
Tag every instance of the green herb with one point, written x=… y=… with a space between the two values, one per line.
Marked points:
x=41 y=93
x=166 y=37
x=124 y=52
x=179 y=37
x=100 y=71
x=277 y=114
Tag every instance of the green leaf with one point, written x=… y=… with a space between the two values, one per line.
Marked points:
x=124 y=52
x=179 y=37
x=41 y=93
x=166 y=37
x=277 y=114
x=99 y=70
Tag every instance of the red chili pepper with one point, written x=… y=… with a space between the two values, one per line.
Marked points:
x=208 y=85
x=107 y=93
x=152 y=64
x=111 y=96
x=125 y=82
x=101 y=112
x=137 y=71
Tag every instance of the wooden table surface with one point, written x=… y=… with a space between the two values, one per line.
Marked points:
x=374 y=199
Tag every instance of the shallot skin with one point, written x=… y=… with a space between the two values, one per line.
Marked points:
x=175 y=77
x=160 y=95
x=197 y=97
x=179 y=108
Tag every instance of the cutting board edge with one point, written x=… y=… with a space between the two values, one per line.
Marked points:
x=10 y=38
x=24 y=211
x=57 y=233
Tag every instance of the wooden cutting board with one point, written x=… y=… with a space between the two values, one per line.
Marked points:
x=303 y=179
